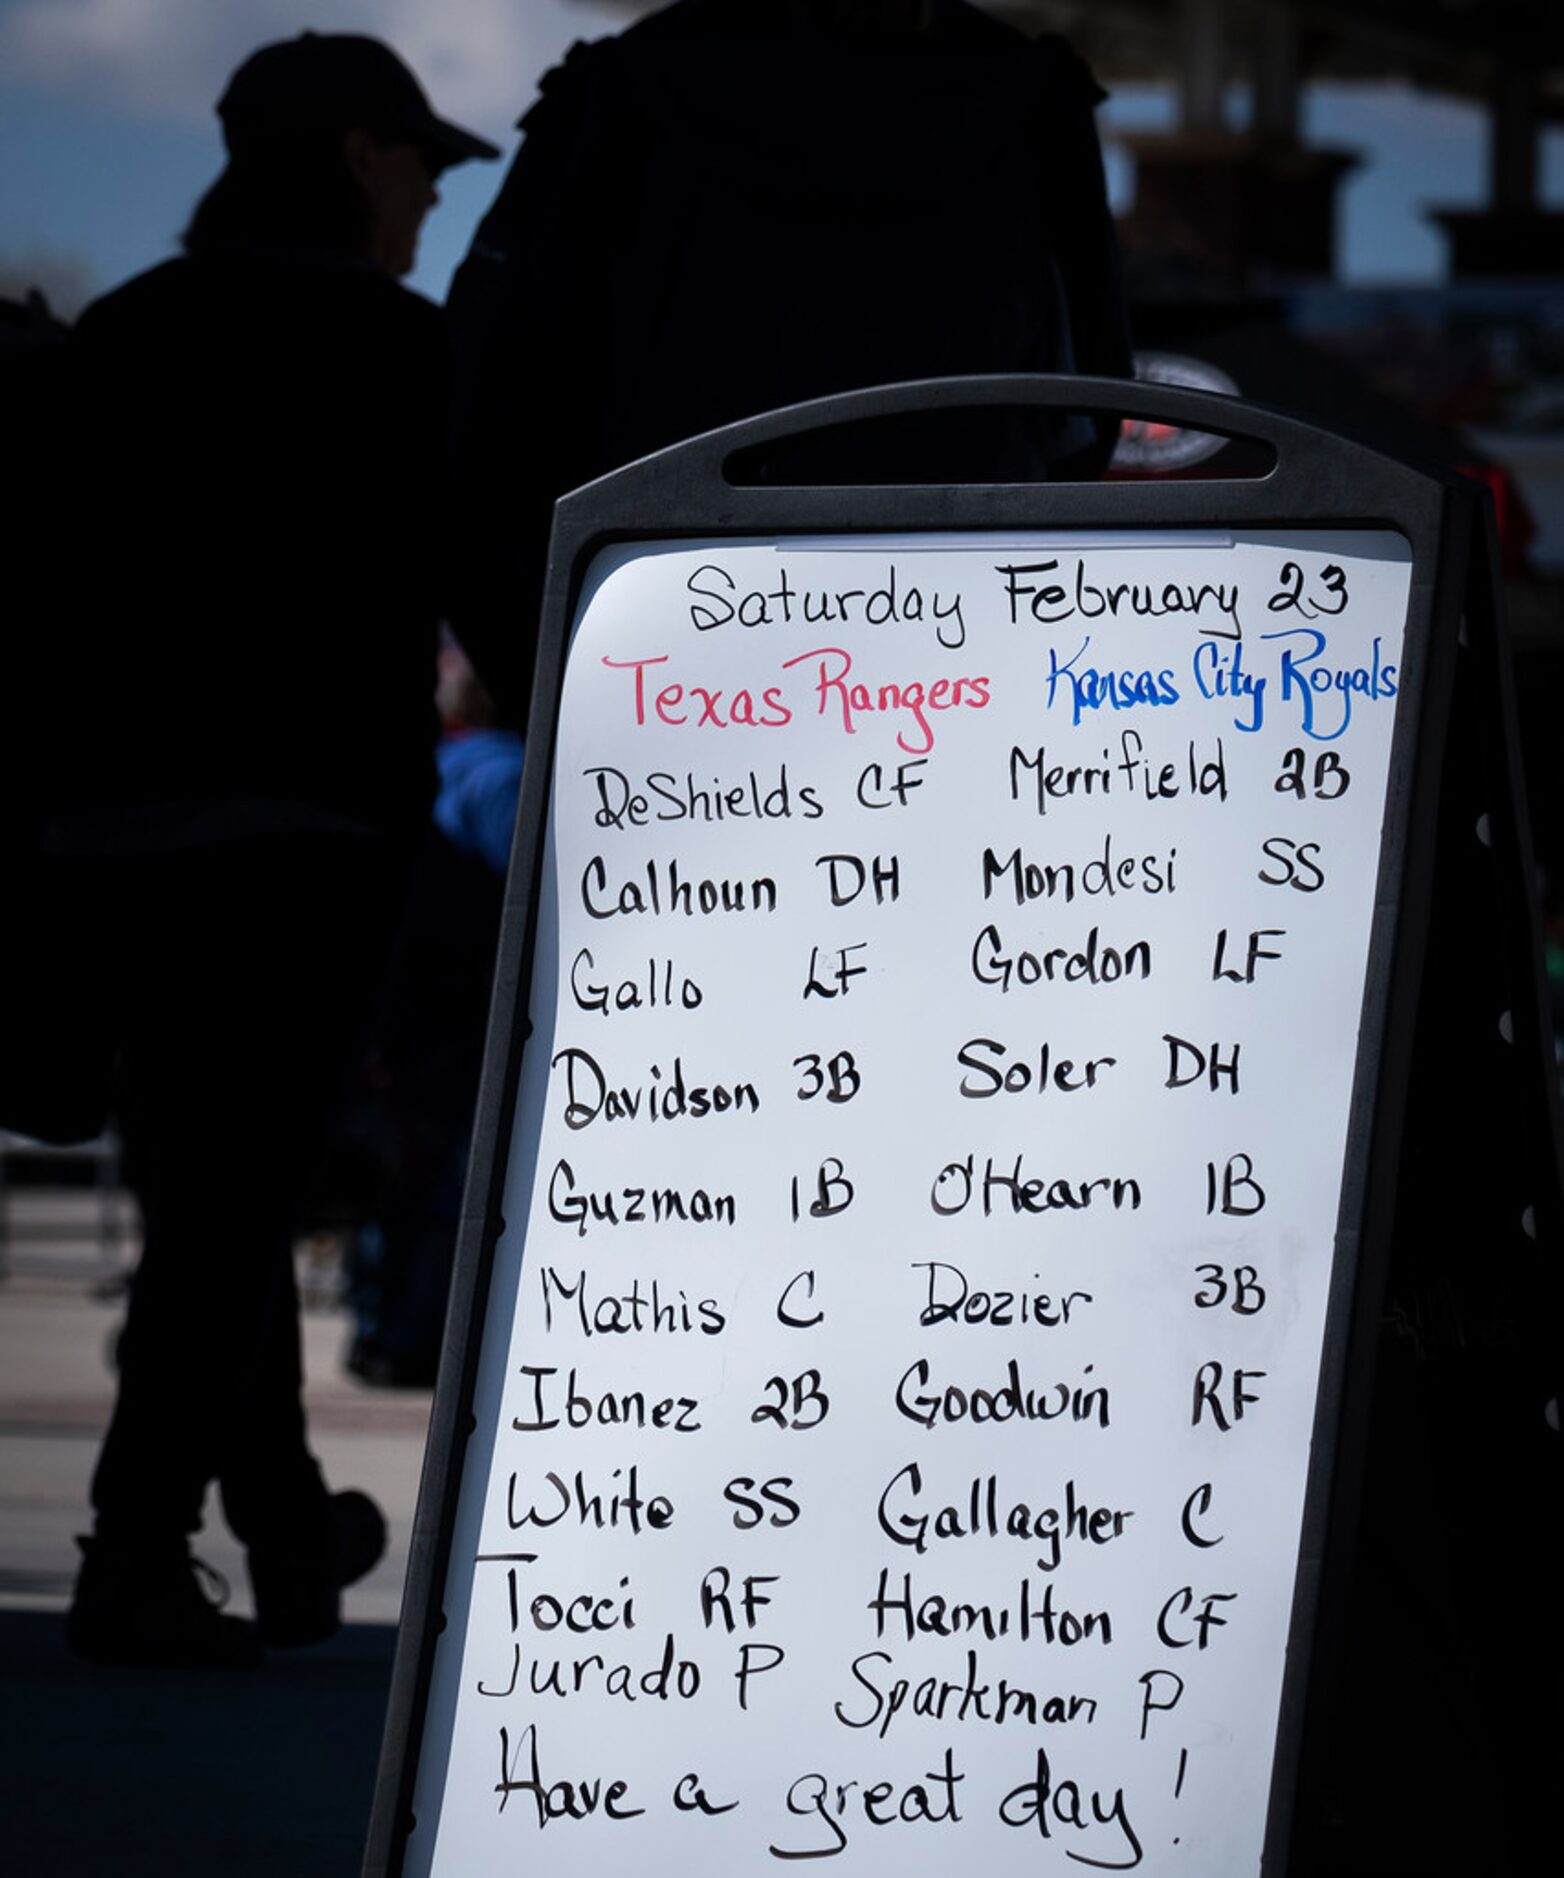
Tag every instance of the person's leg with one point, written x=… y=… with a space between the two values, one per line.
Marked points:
x=257 y=966
x=214 y=1246
x=303 y=1543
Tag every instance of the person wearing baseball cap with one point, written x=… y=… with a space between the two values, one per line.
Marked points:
x=253 y=569
x=334 y=82
x=330 y=138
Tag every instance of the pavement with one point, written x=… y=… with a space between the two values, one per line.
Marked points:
x=130 y=1773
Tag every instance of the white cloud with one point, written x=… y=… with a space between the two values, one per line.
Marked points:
x=480 y=60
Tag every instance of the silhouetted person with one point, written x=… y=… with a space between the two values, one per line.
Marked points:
x=428 y=1049
x=248 y=630
x=739 y=204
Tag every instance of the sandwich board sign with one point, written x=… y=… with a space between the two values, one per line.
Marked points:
x=934 y=1166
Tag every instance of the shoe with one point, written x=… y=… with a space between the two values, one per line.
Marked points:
x=297 y=1587
x=148 y=1609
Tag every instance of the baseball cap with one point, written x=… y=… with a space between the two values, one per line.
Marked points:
x=336 y=81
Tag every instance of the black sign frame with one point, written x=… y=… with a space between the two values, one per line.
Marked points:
x=1317 y=481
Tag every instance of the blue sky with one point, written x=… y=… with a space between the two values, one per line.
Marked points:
x=107 y=135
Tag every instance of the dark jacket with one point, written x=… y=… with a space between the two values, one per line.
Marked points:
x=250 y=583
x=721 y=211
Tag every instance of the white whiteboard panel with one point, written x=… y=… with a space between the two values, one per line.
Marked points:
x=897 y=1385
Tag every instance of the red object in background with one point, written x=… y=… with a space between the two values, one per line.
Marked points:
x=1516 y=525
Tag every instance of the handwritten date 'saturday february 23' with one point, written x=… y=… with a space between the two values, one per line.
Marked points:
x=1288 y=664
